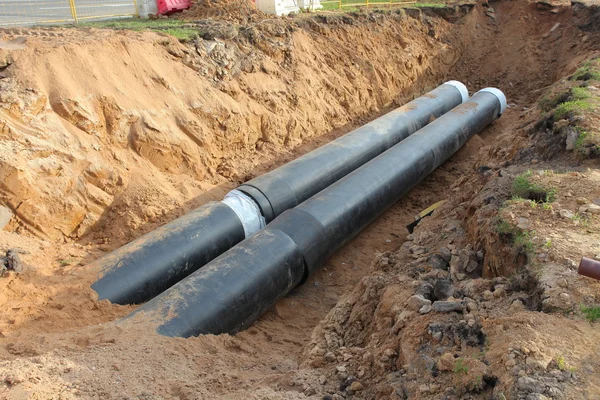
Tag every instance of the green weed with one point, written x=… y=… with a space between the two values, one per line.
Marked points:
x=592 y=314
x=525 y=189
x=460 y=367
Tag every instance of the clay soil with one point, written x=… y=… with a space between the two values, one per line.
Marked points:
x=106 y=135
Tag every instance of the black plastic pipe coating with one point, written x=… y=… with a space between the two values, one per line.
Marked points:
x=232 y=291
x=142 y=269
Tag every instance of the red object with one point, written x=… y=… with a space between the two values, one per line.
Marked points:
x=169 y=6
x=589 y=268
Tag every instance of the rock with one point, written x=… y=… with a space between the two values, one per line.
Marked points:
x=539 y=361
x=528 y=384
x=13 y=262
x=582 y=200
x=488 y=295
x=309 y=391
x=572 y=136
x=425 y=289
x=417 y=301
x=524 y=224
x=438 y=262
x=456 y=265
x=417 y=250
x=446 y=362
x=499 y=291
x=564 y=296
x=443 y=289
x=330 y=357
x=448 y=306
x=445 y=253
x=471 y=306
x=340 y=368
x=5 y=216
x=424 y=310
x=356 y=386
x=516 y=306
x=593 y=209
x=566 y=214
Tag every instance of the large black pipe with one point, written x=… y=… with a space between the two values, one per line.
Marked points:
x=152 y=263
x=233 y=290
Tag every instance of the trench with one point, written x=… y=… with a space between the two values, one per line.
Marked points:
x=512 y=51
x=489 y=60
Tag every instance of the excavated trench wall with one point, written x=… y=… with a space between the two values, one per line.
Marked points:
x=105 y=136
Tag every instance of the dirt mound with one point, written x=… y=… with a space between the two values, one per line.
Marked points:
x=243 y=11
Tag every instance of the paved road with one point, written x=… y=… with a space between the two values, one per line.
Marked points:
x=15 y=12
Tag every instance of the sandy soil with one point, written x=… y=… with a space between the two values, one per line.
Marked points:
x=106 y=135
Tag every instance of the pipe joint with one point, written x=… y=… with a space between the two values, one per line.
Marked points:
x=247 y=211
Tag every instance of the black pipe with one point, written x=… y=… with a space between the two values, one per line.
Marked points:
x=152 y=263
x=233 y=290
x=296 y=181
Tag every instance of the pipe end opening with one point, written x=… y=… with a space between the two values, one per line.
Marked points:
x=464 y=92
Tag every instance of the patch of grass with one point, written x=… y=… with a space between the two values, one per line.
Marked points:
x=356 y=5
x=548 y=244
x=561 y=363
x=584 y=221
x=66 y=261
x=592 y=314
x=588 y=72
x=523 y=188
x=580 y=139
x=518 y=237
x=570 y=108
x=573 y=94
x=176 y=28
x=460 y=367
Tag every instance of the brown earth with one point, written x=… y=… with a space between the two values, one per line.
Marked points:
x=229 y=10
x=106 y=135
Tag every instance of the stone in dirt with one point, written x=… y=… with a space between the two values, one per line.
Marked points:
x=593 y=209
x=443 y=289
x=446 y=363
x=448 y=306
x=566 y=214
x=11 y=262
x=438 y=262
x=5 y=216
x=528 y=384
x=417 y=301
x=425 y=289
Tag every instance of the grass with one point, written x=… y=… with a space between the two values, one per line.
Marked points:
x=175 y=28
x=582 y=220
x=592 y=314
x=520 y=238
x=590 y=71
x=523 y=188
x=571 y=108
x=561 y=363
x=354 y=5
x=460 y=367
x=566 y=100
